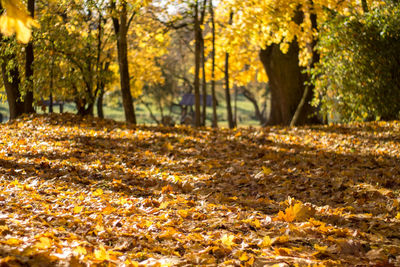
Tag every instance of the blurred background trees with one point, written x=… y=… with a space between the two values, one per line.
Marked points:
x=259 y=62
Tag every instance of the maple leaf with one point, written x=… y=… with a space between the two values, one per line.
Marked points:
x=227 y=240
x=297 y=212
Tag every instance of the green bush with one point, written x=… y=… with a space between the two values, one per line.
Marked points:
x=358 y=77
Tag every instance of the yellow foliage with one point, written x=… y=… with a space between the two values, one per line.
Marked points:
x=16 y=20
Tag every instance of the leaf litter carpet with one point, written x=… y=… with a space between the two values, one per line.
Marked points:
x=89 y=192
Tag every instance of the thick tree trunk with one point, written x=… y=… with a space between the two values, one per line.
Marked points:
x=214 y=98
x=121 y=30
x=29 y=58
x=286 y=84
x=84 y=108
x=11 y=82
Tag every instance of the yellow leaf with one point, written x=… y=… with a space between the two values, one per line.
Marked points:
x=227 y=240
x=131 y=263
x=78 y=209
x=244 y=257
x=297 y=212
x=183 y=213
x=267 y=242
x=44 y=243
x=250 y=262
x=101 y=254
x=80 y=250
x=168 y=146
x=98 y=192
x=266 y=171
x=16 y=20
x=283 y=239
x=164 y=205
x=13 y=242
x=321 y=249
x=398 y=216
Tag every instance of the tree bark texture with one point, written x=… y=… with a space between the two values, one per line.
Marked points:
x=11 y=82
x=286 y=85
x=121 y=30
x=214 y=98
x=197 y=56
x=250 y=96
x=29 y=58
x=204 y=84
x=231 y=123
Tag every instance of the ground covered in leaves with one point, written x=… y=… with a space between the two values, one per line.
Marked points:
x=79 y=192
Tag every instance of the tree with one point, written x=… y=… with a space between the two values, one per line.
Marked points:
x=29 y=58
x=121 y=24
x=285 y=33
x=213 y=52
x=75 y=65
x=358 y=76
x=15 y=20
x=231 y=122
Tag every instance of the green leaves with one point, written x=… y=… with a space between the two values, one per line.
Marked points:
x=357 y=76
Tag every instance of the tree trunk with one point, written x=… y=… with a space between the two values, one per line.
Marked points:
x=204 y=84
x=286 y=84
x=121 y=30
x=365 y=6
x=235 y=116
x=197 y=55
x=11 y=82
x=228 y=94
x=51 y=84
x=29 y=58
x=214 y=98
x=51 y=110
x=227 y=89
x=100 y=111
x=308 y=91
x=259 y=115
